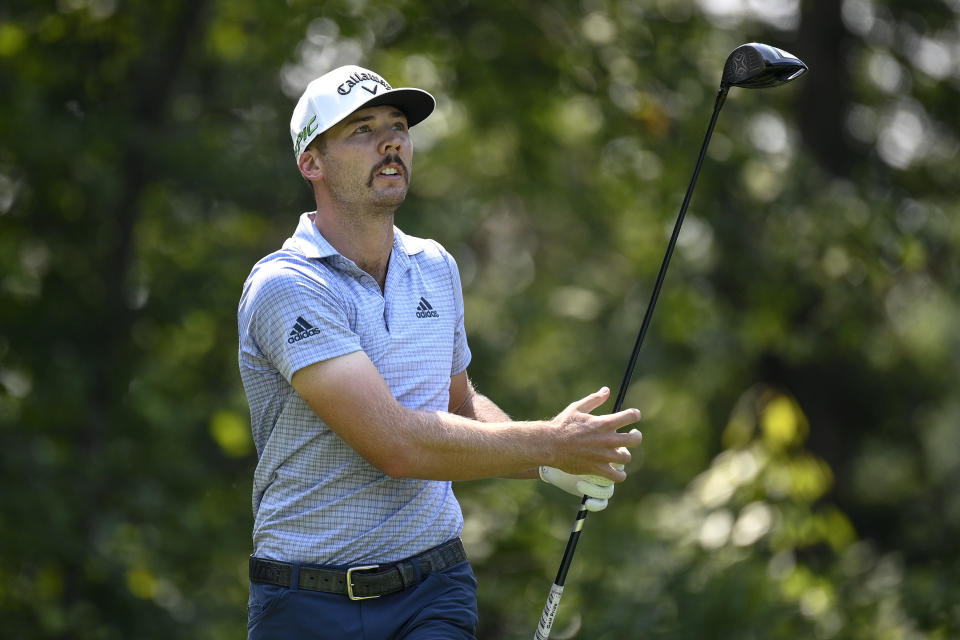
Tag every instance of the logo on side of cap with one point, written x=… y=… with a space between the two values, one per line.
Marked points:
x=356 y=78
x=305 y=133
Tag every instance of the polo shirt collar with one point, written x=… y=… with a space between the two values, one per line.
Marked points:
x=308 y=240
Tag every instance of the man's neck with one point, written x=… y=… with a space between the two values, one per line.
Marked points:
x=366 y=239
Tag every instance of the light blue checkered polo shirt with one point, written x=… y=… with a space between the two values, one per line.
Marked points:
x=314 y=499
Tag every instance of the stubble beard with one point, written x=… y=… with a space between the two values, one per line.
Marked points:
x=362 y=201
x=395 y=195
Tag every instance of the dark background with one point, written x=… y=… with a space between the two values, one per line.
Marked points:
x=801 y=411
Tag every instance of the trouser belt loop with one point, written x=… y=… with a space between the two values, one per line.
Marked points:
x=295 y=576
x=414 y=569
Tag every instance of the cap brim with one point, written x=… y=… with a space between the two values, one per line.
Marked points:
x=416 y=104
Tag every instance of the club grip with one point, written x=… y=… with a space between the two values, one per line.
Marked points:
x=549 y=613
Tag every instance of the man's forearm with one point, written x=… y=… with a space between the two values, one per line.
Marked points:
x=442 y=445
x=352 y=398
x=480 y=407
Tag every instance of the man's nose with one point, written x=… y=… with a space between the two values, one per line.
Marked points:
x=392 y=142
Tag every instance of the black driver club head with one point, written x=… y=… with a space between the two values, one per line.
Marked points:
x=756 y=66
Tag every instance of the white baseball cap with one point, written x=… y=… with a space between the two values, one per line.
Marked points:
x=338 y=93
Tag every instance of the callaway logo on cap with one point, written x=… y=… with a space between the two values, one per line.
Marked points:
x=338 y=93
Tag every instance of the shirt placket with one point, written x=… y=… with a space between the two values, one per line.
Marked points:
x=394 y=290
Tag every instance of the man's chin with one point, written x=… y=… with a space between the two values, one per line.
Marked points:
x=391 y=197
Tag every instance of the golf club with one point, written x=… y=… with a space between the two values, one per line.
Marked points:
x=752 y=66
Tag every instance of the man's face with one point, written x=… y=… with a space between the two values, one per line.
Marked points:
x=368 y=158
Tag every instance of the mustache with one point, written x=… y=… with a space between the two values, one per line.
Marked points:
x=388 y=160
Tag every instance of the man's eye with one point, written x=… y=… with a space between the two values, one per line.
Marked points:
x=400 y=126
x=362 y=129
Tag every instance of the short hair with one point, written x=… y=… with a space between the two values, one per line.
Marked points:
x=318 y=144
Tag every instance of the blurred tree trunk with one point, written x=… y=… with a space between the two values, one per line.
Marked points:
x=110 y=353
x=825 y=97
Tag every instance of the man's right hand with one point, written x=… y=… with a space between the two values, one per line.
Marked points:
x=591 y=445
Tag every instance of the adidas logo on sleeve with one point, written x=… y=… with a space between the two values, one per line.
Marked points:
x=301 y=329
x=425 y=310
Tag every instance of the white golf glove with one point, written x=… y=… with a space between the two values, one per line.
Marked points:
x=598 y=489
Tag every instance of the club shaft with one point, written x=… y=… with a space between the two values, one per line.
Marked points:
x=665 y=263
x=556 y=591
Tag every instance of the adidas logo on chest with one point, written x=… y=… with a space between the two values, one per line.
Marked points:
x=426 y=310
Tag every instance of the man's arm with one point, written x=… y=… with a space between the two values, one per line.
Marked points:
x=467 y=402
x=351 y=397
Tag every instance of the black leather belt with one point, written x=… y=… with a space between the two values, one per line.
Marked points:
x=361 y=582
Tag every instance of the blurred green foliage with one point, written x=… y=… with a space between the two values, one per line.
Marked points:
x=801 y=413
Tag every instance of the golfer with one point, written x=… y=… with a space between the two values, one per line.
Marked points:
x=354 y=360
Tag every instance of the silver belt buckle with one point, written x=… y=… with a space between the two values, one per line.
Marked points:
x=350 y=572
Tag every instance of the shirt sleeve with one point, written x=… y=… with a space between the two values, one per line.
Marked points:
x=461 y=350
x=298 y=320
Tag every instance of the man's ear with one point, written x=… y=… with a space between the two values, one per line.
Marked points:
x=310 y=165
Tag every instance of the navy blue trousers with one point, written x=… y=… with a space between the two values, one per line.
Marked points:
x=442 y=607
